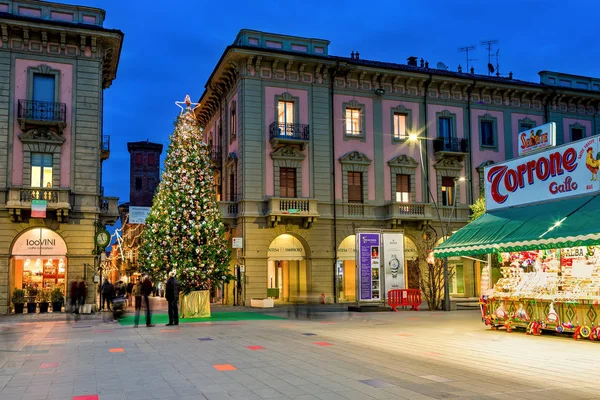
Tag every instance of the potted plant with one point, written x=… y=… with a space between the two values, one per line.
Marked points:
x=43 y=298
x=31 y=295
x=56 y=296
x=18 y=299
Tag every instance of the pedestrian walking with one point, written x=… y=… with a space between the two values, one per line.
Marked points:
x=172 y=296
x=129 y=293
x=137 y=294
x=74 y=298
x=82 y=293
x=146 y=292
x=108 y=291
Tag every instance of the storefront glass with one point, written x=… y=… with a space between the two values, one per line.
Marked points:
x=287 y=272
x=38 y=260
x=346 y=270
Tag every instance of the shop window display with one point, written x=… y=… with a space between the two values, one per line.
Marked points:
x=547 y=290
x=45 y=273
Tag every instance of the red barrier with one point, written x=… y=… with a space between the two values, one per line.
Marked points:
x=403 y=298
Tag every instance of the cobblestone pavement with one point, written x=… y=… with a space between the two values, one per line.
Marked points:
x=334 y=355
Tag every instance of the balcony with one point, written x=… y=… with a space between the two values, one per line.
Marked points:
x=398 y=212
x=109 y=210
x=42 y=113
x=443 y=146
x=216 y=156
x=105 y=149
x=280 y=133
x=229 y=211
x=284 y=207
x=19 y=199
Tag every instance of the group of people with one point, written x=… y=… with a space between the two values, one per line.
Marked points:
x=78 y=294
x=140 y=292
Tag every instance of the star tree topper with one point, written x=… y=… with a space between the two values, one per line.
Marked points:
x=188 y=105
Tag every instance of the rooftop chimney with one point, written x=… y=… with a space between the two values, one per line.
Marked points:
x=357 y=56
x=412 y=61
x=352 y=54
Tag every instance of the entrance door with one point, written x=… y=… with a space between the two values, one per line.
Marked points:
x=346 y=270
x=287 y=271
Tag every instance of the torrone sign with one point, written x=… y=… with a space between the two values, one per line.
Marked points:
x=39 y=242
x=563 y=171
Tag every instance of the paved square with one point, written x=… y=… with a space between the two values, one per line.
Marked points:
x=368 y=356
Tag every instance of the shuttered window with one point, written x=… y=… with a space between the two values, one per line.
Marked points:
x=355 y=187
x=402 y=188
x=287 y=182
x=231 y=187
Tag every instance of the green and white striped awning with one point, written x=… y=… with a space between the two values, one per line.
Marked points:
x=564 y=223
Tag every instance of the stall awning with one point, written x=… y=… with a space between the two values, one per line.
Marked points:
x=558 y=224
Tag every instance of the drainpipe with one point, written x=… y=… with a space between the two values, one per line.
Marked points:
x=333 y=165
x=470 y=132
x=425 y=113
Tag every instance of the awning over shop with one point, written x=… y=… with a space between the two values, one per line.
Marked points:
x=558 y=224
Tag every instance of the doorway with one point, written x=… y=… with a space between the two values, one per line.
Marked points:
x=287 y=273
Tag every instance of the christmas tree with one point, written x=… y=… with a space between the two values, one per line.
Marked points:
x=184 y=232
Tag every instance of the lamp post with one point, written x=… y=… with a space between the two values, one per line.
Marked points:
x=414 y=138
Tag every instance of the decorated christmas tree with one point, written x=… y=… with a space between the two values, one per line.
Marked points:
x=184 y=232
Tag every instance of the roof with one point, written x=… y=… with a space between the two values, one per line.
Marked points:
x=72 y=25
x=552 y=225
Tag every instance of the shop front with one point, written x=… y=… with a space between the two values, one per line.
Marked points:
x=346 y=270
x=38 y=260
x=540 y=226
x=287 y=272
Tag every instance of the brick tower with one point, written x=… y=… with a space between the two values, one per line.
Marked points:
x=144 y=172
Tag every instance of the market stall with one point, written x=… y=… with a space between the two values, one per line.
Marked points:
x=541 y=224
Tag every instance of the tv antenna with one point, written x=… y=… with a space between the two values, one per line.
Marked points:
x=488 y=44
x=466 y=49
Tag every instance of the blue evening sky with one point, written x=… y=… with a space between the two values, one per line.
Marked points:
x=171 y=47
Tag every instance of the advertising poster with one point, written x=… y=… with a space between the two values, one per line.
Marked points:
x=564 y=171
x=537 y=138
x=393 y=257
x=368 y=265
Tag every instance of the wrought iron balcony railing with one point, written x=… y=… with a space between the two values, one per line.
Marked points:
x=42 y=111
x=453 y=145
x=289 y=133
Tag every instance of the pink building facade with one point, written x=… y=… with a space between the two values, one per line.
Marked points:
x=56 y=61
x=316 y=147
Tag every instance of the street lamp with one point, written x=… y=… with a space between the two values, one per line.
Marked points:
x=415 y=138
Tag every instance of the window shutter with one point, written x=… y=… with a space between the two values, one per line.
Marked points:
x=231 y=187
x=287 y=182
x=403 y=183
x=447 y=181
x=355 y=187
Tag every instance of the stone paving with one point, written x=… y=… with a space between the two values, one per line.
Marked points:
x=334 y=355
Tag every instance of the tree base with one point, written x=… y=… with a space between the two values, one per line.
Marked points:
x=196 y=304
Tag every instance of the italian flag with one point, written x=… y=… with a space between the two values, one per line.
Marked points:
x=38 y=208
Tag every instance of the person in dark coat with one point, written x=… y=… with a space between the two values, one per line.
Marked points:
x=82 y=292
x=108 y=292
x=146 y=292
x=172 y=296
x=74 y=298
x=129 y=293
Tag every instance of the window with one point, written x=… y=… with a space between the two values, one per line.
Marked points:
x=402 y=188
x=447 y=191
x=41 y=170
x=457 y=283
x=285 y=112
x=138 y=184
x=445 y=127
x=353 y=122
x=43 y=87
x=487 y=134
x=400 y=126
x=151 y=159
x=577 y=134
x=525 y=127
x=233 y=120
x=355 y=187
x=287 y=182
x=138 y=158
x=231 y=187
